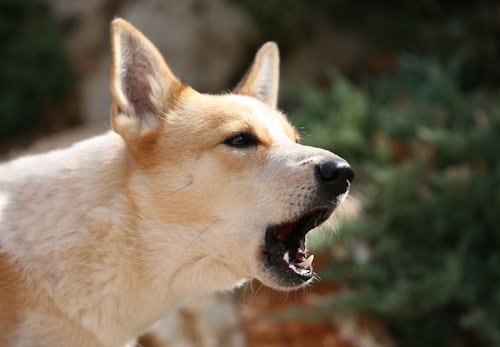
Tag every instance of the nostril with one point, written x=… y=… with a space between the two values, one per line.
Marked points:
x=334 y=171
x=328 y=171
x=335 y=176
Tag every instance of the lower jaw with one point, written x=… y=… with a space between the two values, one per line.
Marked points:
x=285 y=279
x=286 y=287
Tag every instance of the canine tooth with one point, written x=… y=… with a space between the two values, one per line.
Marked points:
x=286 y=257
x=306 y=264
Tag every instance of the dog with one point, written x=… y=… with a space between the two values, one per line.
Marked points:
x=189 y=194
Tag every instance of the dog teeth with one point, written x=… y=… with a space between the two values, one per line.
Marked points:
x=299 y=269
x=286 y=258
x=307 y=263
x=303 y=267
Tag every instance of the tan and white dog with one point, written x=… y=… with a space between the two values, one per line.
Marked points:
x=190 y=194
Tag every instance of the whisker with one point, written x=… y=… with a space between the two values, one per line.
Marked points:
x=310 y=285
x=316 y=278
x=200 y=233
x=285 y=297
x=331 y=234
x=251 y=287
x=335 y=226
x=337 y=223
x=254 y=295
x=243 y=292
x=253 y=291
x=179 y=189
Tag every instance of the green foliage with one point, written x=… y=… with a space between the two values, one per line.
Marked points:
x=33 y=68
x=427 y=155
x=324 y=113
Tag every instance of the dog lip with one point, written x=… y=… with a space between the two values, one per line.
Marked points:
x=284 y=249
x=303 y=224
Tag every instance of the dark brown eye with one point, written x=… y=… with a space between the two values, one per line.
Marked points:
x=242 y=140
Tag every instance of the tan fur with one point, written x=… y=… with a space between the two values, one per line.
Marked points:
x=98 y=241
x=10 y=283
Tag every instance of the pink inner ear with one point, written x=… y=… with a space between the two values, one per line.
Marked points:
x=136 y=84
x=284 y=230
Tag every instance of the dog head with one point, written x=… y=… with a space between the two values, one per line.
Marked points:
x=227 y=168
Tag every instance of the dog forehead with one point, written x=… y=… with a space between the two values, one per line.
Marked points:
x=259 y=116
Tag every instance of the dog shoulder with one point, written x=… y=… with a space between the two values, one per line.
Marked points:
x=57 y=159
x=11 y=306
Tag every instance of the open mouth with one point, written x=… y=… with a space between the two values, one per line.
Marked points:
x=285 y=255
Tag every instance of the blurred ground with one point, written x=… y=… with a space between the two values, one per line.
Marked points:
x=274 y=319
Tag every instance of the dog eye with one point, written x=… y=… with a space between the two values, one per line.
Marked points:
x=242 y=140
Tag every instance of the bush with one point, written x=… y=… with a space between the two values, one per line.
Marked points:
x=341 y=118
x=427 y=155
x=33 y=68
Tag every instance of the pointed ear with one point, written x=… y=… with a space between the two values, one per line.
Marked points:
x=262 y=79
x=142 y=85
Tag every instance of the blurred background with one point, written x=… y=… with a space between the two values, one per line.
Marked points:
x=407 y=91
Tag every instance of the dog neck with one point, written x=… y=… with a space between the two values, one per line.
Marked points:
x=144 y=273
x=131 y=276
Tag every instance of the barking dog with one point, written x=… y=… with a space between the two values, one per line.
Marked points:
x=190 y=194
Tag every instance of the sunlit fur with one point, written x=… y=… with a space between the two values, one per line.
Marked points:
x=98 y=241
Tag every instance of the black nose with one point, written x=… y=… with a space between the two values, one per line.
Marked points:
x=336 y=174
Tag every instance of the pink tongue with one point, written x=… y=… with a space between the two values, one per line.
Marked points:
x=284 y=230
x=300 y=256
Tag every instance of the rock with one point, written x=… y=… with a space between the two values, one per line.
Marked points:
x=205 y=42
x=312 y=61
x=86 y=29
